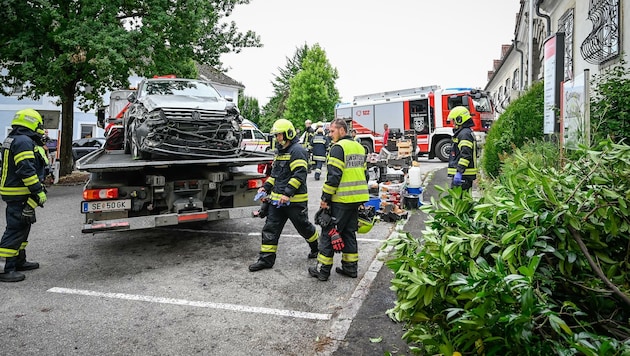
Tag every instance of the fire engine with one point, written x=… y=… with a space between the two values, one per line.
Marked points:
x=423 y=111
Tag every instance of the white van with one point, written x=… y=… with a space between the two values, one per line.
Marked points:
x=253 y=138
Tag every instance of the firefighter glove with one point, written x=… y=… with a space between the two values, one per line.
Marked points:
x=41 y=198
x=457 y=179
x=323 y=218
x=28 y=215
x=335 y=240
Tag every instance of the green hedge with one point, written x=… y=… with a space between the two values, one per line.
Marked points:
x=521 y=122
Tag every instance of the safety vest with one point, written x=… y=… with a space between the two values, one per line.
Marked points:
x=353 y=187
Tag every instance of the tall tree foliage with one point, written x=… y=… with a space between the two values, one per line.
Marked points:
x=79 y=49
x=276 y=106
x=249 y=108
x=313 y=94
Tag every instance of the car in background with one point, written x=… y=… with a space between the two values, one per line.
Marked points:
x=83 y=146
x=253 y=138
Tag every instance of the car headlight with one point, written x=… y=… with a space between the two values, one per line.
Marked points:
x=155 y=115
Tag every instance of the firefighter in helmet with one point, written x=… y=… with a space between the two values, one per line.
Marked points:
x=462 y=164
x=343 y=193
x=23 y=170
x=287 y=193
x=320 y=148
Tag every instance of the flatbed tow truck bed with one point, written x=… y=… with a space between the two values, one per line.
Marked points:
x=102 y=160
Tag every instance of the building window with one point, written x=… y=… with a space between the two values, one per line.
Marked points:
x=602 y=44
x=565 y=24
x=515 y=80
x=87 y=131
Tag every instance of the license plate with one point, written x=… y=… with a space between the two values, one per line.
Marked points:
x=105 y=205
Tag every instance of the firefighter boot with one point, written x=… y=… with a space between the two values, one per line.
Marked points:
x=322 y=274
x=23 y=265
x=348 y=269
x=10 y=274
x=265 y=260
x=314 y=249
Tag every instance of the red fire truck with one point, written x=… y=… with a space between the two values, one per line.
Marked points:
x=422 y=110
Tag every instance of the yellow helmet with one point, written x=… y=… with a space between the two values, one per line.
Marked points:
x=459 y=114
x=30 y=119
x=365 y=225
x=285 y=127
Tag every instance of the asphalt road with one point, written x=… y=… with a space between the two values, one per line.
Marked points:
x=181 y=291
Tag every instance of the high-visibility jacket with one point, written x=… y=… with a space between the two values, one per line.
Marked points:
x=288 y=173
x=320 y=146
x=463 y=157
x=346 y=179
x=21 y=168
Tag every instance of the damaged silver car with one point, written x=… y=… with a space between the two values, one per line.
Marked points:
x=186 y=118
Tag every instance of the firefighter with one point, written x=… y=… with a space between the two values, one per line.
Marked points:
x=21 y=187
x=307 y=142
x=320 y=148
x=343 y=193
x=288 y=195
x=462 y=164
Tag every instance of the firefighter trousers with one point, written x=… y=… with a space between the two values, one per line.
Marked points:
x=14 y=239
x=276 y=219
x=347 y=216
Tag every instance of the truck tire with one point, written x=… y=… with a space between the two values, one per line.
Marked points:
x=367 y=144
x=443 y=149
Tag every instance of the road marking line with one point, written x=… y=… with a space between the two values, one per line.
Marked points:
x=224 y=306
x=258 y=234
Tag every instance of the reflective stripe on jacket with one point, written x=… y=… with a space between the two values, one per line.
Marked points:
x=288 y=174
x=463 y=157
x=20 y=168
x=346 y=181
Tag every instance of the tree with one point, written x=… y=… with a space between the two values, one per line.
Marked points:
x=313 y=94
x=79 y=49
x=249 y=108
x=276 y=106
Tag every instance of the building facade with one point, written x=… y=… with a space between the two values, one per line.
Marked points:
x=595 y=38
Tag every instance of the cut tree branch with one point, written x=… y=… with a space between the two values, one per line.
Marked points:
x=596 y=269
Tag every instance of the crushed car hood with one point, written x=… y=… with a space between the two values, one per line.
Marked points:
x=152 y=102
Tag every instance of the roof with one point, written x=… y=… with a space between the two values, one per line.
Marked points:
x=216 y=76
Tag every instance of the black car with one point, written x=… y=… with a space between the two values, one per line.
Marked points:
x=83 y=146
x=186 y=118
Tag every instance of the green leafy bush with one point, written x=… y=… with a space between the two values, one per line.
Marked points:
x=537 y=266
x=610 y=104
x=521 y=121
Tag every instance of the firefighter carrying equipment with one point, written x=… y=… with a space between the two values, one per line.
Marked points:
x=351 y=166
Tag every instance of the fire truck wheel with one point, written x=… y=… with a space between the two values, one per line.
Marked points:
x=443 y=149
x=367 y=145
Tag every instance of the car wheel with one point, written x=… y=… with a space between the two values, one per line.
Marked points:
x=127 y=141
x=443 y=149
x=136 y=152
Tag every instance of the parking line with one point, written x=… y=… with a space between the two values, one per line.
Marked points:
x=224 y=306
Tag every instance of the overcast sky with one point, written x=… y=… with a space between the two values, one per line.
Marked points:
x=375 y=45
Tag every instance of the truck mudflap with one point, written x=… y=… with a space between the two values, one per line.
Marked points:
x=152 y=221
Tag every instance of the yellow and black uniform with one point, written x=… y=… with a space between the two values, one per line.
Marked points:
x=320 y=148
x=463 y=156
x=21 y=187
x=288 y=177
x=345 y=190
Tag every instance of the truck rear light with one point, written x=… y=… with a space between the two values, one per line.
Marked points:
x=100 y=194
x=255 y=183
